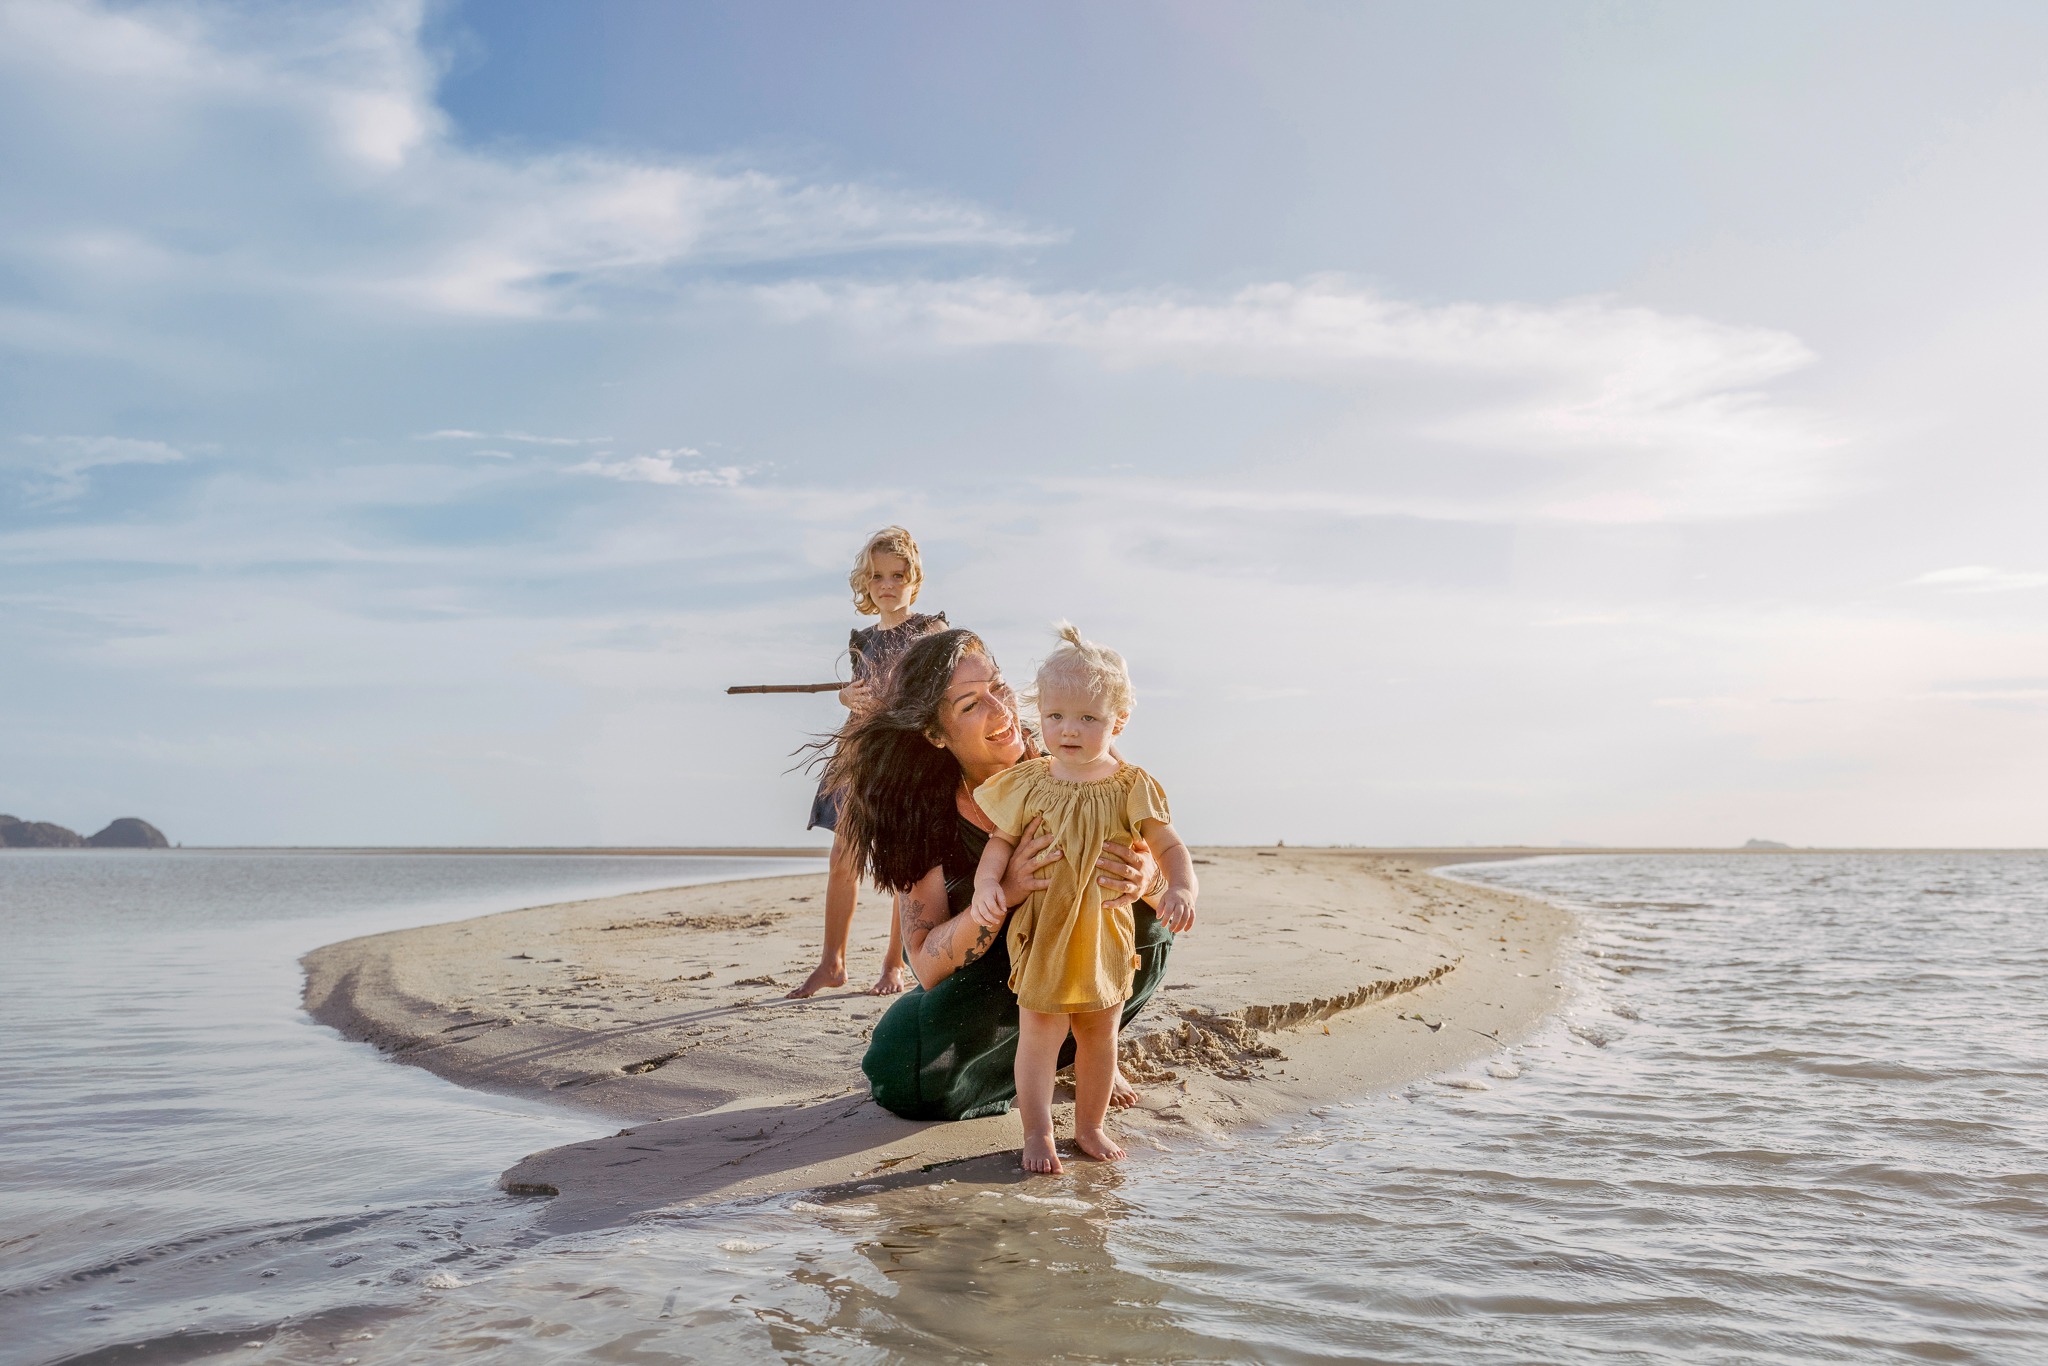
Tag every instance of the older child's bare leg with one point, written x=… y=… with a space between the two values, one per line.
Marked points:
x=895 y=976
x=842 y=890
x=1039 y=1037
x=1094 y=1073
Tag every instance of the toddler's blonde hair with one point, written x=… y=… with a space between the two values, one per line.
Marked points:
x=890 y=540
x=1084 y=664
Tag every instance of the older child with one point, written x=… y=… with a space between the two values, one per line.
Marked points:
x=1072 y=958
x=885 y=580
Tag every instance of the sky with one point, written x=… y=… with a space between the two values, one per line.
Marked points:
x=1475 y=422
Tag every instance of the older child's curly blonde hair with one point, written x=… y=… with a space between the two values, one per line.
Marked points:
x=890 y=540
x=1097 y=669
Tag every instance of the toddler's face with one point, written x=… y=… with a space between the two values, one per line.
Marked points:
x=1076 y=726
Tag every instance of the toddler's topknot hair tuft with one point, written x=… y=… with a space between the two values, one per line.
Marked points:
x=1084 y=664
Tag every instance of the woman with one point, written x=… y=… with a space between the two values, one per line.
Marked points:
x=938 y=726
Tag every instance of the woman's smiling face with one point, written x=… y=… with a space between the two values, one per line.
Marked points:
x=978 y=720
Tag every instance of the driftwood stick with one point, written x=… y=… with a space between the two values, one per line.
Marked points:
x=786 y=687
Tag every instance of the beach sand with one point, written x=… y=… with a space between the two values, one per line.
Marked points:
x=1314 y=975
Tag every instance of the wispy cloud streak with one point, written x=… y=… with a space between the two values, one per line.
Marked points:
x=1674 y=408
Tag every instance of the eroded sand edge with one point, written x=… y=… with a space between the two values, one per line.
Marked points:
x=1313 y=976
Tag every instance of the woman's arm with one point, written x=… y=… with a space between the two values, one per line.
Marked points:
x=938 y=942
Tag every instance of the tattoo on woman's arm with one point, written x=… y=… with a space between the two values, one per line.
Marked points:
x=985 y=936
x=920 y=920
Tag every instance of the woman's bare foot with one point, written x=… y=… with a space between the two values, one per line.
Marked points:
x=822 y=976
x=1042 y=1155
x=1122 y=1095
x=892 y=980
x=1098 y=1144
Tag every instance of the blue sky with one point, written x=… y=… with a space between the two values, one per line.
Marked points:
x=1475 y=422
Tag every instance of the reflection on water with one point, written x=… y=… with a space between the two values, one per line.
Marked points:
x=959 y=1270
x=182 y=1152
x=1795 y=1110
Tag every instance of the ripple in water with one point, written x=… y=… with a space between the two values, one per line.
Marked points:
x=1795 y=1109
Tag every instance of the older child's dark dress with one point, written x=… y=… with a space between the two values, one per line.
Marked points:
x=870 y=650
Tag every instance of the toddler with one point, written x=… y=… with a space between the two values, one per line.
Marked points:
x=1072 y=959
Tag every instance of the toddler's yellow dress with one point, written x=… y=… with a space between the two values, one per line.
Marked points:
x=1067 y=954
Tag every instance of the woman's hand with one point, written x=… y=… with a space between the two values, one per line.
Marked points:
x=1033 y=852
x=1125 y=871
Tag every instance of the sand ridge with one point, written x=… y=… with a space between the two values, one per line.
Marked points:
x=1313 y=975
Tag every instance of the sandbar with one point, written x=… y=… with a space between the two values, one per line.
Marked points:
x=1314 y=976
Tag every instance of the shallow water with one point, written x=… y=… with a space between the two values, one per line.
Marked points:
x=1793 y=1109
x=182 y=1148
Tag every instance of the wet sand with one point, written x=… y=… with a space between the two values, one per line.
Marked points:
x=1313 y=976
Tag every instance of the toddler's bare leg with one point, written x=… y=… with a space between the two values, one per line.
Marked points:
x=842 y=890
x=1094 y=1073
x=1039 y=1037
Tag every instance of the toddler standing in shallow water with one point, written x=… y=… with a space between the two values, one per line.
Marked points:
x=1071 y=958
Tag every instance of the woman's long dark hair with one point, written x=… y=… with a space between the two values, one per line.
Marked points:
x=896 y=814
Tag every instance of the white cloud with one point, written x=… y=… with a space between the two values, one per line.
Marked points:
x=462 y=434
x=1979 y=578
x=530 y=439
x=1643 y=415
x=59 y=467
x=661 y=468
x=307 y=140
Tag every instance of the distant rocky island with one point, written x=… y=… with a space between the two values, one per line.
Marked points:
x=129 y=832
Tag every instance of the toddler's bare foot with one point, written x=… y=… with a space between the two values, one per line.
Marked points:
x=1099 y=1145
x=892 y=980
x=822 y=976
x=1122 y=1095
x=1041 y=1155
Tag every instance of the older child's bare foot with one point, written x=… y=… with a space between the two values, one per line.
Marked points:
x=822 y=976
x=892 y=980
x=1099 y=1145
x=1122 y=1095
x=1041 y=1155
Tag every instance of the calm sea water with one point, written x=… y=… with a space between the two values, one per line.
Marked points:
x=1793 y=1109
x=182 y=1151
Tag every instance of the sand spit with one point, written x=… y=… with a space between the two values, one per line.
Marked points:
x=1314 y=975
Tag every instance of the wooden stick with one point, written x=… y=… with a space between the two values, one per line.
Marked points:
x=786 y=687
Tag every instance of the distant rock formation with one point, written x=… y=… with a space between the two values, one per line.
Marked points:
x=20 y=834
x=129 y=832
x=1765 y=844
